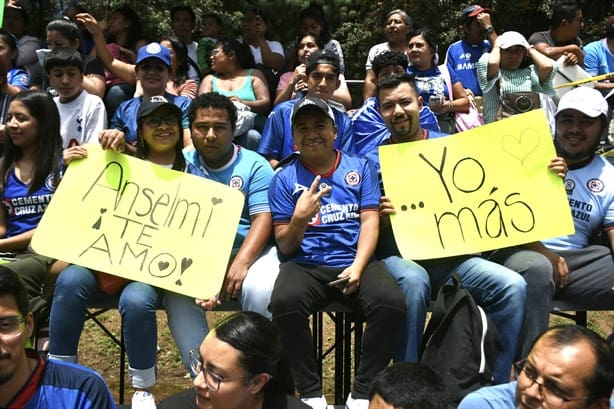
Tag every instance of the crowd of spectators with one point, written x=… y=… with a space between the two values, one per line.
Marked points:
x=315 y=226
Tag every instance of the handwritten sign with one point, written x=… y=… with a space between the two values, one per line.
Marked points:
x=483 y=189
x=143 y=222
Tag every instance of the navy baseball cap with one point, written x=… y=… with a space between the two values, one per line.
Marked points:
x=473 y=11
x=151 y=104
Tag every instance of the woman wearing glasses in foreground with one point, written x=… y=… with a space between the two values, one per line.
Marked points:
x=240 y=364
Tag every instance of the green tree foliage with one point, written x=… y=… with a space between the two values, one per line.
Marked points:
x=357 y=24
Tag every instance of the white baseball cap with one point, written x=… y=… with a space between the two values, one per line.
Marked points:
x=587 y=100
x=510 y=39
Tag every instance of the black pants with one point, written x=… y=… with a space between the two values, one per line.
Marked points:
x=301 y=290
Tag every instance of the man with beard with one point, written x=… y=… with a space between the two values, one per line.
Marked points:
x=500 y=290
x=28 y=381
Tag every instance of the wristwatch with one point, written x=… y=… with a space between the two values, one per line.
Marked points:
x=490 y=30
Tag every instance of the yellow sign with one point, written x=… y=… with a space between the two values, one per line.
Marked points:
x=479 y=190
x=143 y=222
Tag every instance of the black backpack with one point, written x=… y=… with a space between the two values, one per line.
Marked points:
x=459 y=341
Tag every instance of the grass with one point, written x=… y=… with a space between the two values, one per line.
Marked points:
x=99 y=352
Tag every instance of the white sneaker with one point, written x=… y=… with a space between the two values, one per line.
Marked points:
x=352 y=403
x=316 y=403
x=143 y=400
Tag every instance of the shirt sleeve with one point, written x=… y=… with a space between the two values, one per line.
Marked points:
x=370 y=192
x=271 y=143
x=280 y=198
x=482 y=71
x=257 y=196
x=96 y=121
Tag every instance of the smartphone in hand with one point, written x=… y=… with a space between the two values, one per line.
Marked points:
x=336 y=283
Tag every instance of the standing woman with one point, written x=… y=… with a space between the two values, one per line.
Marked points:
x=431 y=83
x=13 y=80
x=398 y=28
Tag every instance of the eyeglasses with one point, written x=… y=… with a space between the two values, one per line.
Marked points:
x=552 y=395
x=155 y=121
x=212 y=380
x=11 y=328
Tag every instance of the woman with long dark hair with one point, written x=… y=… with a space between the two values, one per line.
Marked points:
x=30 y=166
x=240 y=364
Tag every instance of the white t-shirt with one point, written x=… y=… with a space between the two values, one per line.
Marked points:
x=81 y=119
x=275 y=46
x=374 y=51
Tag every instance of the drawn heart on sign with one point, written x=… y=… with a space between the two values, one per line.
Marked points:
x=163 y=265
x=216 y=200
x=521 y=146
x=98 y=223
x=185 y=263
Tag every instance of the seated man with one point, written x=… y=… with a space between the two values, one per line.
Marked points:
x=322 y=80
x=569 y=367
x=325 y=220
x=369 y=128
x=562 y=38
x=408 y=385
x=572 y=268
x=28 y=381
x=254 y=265
x=499 y=290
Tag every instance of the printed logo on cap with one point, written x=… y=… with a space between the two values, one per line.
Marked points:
x=153 y=48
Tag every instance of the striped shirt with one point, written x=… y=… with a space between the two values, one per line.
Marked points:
x=520 y=80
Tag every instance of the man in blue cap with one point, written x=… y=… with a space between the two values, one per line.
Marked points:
x=153 y=68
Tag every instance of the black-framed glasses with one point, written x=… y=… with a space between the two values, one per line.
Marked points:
x=552 y=394
x=11 y=327
x=212 y=379
x=155 y=121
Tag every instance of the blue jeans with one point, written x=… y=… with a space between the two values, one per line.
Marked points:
x=500 y=291
x=537 y=271
x=116 y=94
x=416 y=287
x=76 y=288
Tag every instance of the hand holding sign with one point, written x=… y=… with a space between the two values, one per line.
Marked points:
x=140 y=221
x=483 y=189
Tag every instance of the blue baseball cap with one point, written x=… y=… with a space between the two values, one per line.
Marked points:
x=154 y=50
